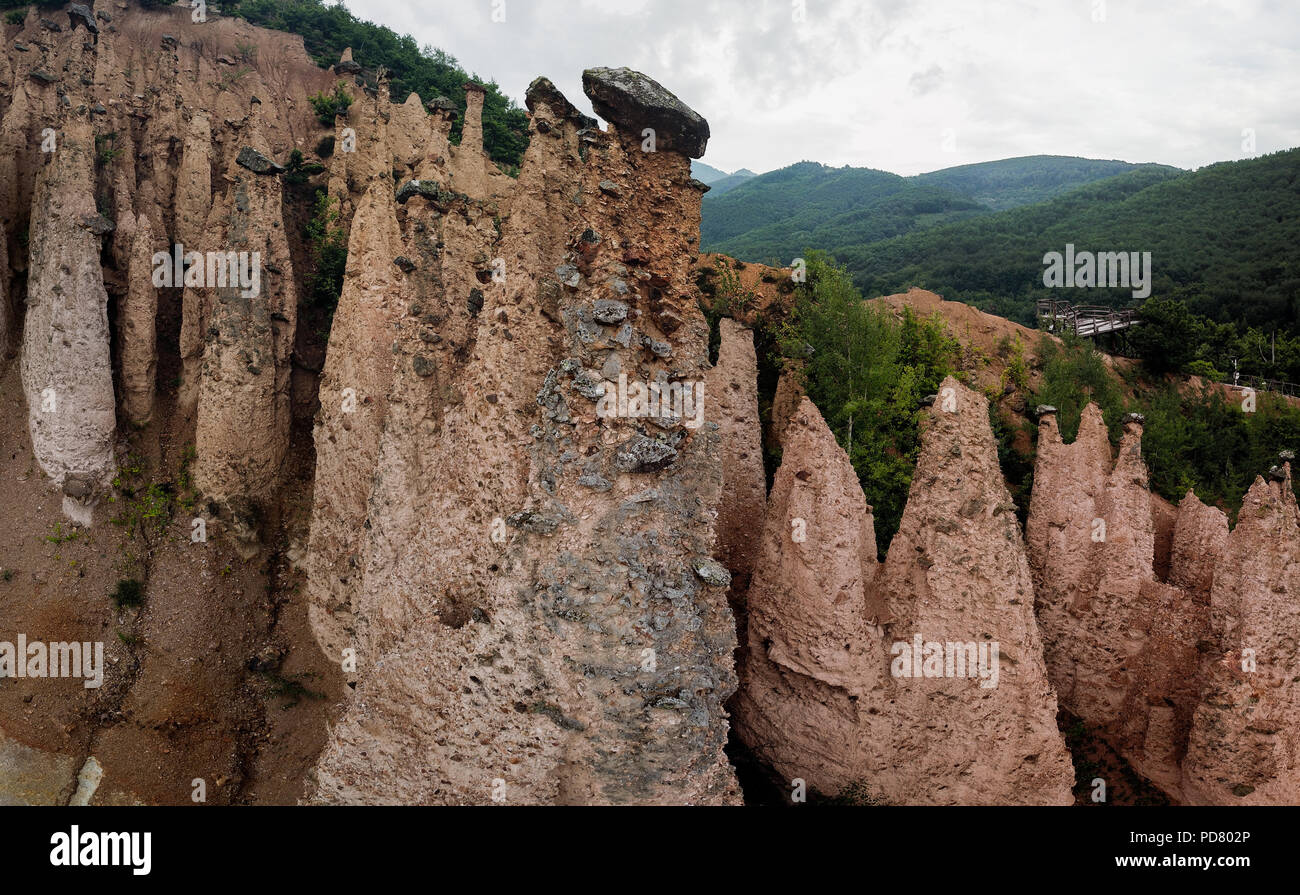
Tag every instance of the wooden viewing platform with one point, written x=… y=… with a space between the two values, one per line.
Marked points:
x=1084 y=320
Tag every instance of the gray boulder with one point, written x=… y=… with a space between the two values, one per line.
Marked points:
x=634 y=102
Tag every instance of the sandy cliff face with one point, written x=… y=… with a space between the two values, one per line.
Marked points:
x=830 y=693
x=116 y=144
x=131 y=103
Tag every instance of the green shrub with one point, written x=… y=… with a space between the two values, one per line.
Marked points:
x=330 y=105
x=329 y=253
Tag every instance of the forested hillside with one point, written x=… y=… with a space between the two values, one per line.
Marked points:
x=776 y=216
x=1222 y=241
x=1013 y=182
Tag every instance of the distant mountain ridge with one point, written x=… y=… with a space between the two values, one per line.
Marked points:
x=719 y=181
x=775 y=216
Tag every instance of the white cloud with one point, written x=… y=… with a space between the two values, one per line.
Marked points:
x=910 y=85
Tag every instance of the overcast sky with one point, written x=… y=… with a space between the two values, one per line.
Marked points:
x=910 y=85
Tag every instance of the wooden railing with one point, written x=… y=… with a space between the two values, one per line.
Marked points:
x=1084 y=320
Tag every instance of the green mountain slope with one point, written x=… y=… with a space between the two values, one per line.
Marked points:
x=730 y=182
x=1013 y=182
x=778 y=215
x=1222 y=239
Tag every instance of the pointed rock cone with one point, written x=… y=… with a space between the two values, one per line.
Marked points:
x=957 y=579
x=1092 y=543
x=731 y=400
x=196 y=221
x=1245 y=740
x=7 y=313
x=814 y=663
x=831 y=692
x=354 y=394
x=1200 y=537
x=66 y=365
x=469 y=166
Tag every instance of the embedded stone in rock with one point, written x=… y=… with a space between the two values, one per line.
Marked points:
x=76 y=487
x=731 y=391
x=528 y=520
x=474 y=303
x=569 y=275
x=608 y=311
x=78 y=12
x=635 y=102
x=643 y=454
x=589 y=385
x=429 y=189
x=714 y=573
x=254 y=161
x=97 y=224
x=43 y=76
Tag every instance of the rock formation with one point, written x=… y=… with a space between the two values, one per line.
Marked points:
x=354 y=395
x=508 y=495
x=815 y=665
x=66 y=366
x=242 y=432
x=1155 y=666
x=785 y=403
x=731 y=399
x=1092 y=543
x=138 y=328
x=1244 y=745
x=546 y=566
x=830 y=693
